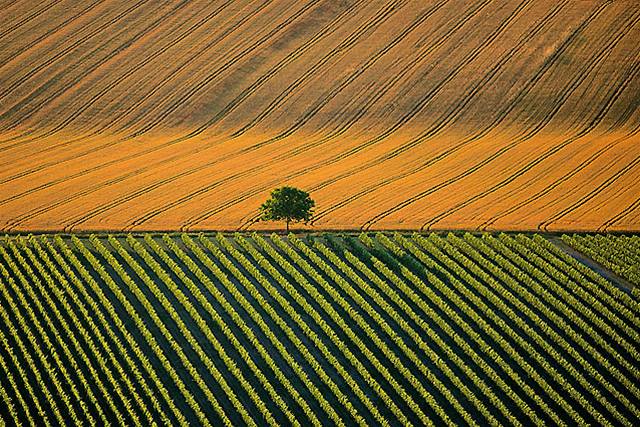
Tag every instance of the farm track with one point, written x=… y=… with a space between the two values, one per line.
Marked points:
x=593 y=124
x=34 y=14
x=265 y=143
x=130 y=136
x=138 y=117
x=602 y=151
x=112 y=54
x=112 y=121
x=156 y=185
x=286 y=134
x=129 y=72
x=49 y=32
x=42 y=66
x=359 y=148
x=448 y=118
x=580 y=77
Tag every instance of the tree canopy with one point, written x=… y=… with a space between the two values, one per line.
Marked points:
x=287 y=204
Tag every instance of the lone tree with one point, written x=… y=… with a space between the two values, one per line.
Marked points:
x=289 y=204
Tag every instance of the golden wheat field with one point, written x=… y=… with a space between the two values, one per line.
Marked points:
x=438 y=114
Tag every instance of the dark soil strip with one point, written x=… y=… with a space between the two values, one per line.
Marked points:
x=594 y=265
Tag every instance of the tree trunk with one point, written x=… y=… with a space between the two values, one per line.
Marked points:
x=287 y=226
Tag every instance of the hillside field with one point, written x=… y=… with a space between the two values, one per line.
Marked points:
x=325 y=329
x=140 y=115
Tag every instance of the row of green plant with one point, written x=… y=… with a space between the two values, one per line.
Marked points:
x=382 y=329
x=620 y=254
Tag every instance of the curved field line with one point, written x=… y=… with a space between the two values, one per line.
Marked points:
x=73 y=157
x=325 y=31
x=594 y=122
x=116 y=180
x=617 y=218
x=200 y=52
x=123 y=139
x=53 y=30
x=447 y=117
x=5 y=91
x=549 y=63
x=9 y=4
x=244 y=19
x=402 y=175
x=148 y=167
x=277 y=158
x=345 y=44
x=389 y=9
x=433 y=189
x=256 y=191
x=204 y=49
x=213 y=75
x=614 y=126
x=115 y=52
x=103 y=128
x=185 y=137
x=360 y=31
x=558 y=182
x=331 y=94
x=27 y=19
x=120 y=79
x=607 y=183
x=389 y=131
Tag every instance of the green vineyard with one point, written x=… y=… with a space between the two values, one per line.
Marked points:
x=327 y=329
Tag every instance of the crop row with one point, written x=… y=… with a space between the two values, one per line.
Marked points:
x=381 y=329
x=620 y=254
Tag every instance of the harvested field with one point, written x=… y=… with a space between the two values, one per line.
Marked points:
x=448 y=114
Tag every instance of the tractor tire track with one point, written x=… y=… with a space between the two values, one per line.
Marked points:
x=550 y=62
x=150 y=95
x=255 y=192
x=205 y=49
x=41 y=167
x=602 y=151
x=249 y=171
x=5 y=91
x=484 y=226
x=110 y=143
x=617 y=218
x=36 y=41
x=389 y=10
x=543 y=226
x=593 y=193
x=95 y=168
x=129 y=175
x=192 y=171
x=118 y=50
x=33 y=15
x=466 y=98
x=331 y=94
x=333 y=135
x=215 y=74
x=124 y=76
x=185 y=137
x=592 y=125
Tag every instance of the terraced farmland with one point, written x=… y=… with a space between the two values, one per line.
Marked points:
x=323 y=330
x=394 y=114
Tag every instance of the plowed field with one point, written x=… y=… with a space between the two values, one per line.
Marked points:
x=450 y=114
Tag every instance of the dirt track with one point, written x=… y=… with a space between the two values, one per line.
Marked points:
x=394 y=114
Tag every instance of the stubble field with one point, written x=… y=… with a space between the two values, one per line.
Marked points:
x=447 y=114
